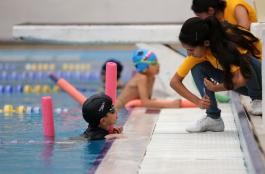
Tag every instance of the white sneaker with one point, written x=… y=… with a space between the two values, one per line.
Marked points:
x=207 y=124
x=256 y=107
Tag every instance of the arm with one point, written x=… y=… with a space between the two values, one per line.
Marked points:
x=119 y=104
x=178 y=86
x=114 y=136
x=123 y=97
x=144 y=92
x=242 y=18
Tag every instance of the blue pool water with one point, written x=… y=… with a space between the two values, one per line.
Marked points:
x=23 y=149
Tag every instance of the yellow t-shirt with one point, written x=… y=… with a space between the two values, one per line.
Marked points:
x=229 y=16
x=191 y=61
x=230 y=11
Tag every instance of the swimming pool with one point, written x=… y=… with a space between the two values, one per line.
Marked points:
x=23 y=149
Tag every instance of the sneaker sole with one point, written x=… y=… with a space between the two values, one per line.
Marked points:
x=205 y=131
x=256 y=114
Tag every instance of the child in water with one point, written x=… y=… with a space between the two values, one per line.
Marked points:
x=119 y=72
x=141 y=85
x=99 y=112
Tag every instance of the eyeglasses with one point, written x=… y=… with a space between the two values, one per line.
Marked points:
x=112 y=110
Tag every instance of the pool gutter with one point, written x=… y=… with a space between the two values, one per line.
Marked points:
x=126 y=154
x=253 y=155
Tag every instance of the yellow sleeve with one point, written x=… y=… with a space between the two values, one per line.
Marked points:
x=231 y=6
x=188 y=64
x=234 y=68
x=251 y=11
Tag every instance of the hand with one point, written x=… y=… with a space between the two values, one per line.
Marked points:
x=114 y=136
x=117 y=130
x=204 y=102
x=210 y=85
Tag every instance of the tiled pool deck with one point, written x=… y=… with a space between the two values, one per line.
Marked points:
x=158 y=143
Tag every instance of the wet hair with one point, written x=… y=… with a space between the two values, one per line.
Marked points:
x=199 y=6
x=119 y=67
x=224 y=39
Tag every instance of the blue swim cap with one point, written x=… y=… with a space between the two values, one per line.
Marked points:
x=142 y=58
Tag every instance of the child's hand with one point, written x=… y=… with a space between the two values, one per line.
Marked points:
x=114 y=136
x=204 y=102
x=116 y=130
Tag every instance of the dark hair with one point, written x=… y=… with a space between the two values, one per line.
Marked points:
x=119 y=67
x=225 y=39
x=199 y=6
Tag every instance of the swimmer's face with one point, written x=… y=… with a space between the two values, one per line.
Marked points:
x=198 y=51
x=110 y=118
x=154 y=69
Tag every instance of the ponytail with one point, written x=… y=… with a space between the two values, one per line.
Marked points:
x=246 y=42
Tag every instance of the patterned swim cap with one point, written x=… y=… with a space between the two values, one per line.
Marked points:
x=142 y=58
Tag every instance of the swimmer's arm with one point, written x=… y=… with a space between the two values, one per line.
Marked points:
x=114 y=136
x=123 y=97
x=119 y=104
x=72 y=141
x=147 y=102
x=121 y=101
x=242 y=18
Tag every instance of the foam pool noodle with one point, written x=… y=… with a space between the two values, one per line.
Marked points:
x=69 y=89
x=47 y=116
x=111 y=83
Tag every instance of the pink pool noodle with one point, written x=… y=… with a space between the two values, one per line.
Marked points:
x=111 y=81
x=69 y=89
x=47 y=116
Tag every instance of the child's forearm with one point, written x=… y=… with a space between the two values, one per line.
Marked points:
x=114 y=136
x=119 y=104
x=161 y=103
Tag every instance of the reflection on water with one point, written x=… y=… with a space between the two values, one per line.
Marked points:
x=48 y=150
x=98 y=149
